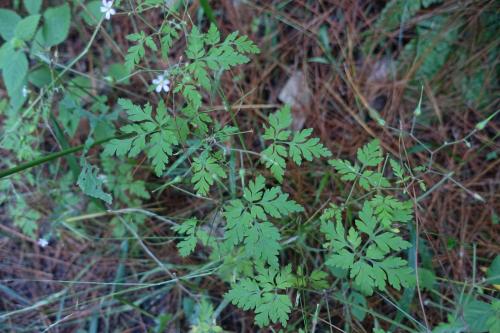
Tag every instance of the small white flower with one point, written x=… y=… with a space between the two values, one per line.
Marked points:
x=161 y=83
x=42 y=242
x=25 y=91
x=107 y=9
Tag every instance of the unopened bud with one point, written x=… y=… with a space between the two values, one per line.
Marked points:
x=478 y=197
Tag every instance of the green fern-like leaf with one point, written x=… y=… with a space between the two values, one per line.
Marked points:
x=205 y=170
x=155 y=135
x=271 y=201
x=258 y=204
x=273 y=308
x=396 y=12
x=168 y=35
x=262 y=295
x=373 y=266
x=245 y=45
x=262 y=243
x=370 y=154
x=209 y=54
x=436 y=37
x=195 y=48
x=188 y=230
x=300 y=147
x=279 y=121
x=136 y=52
x=372 y=179
x=246 y=294
x=273 y=158
x=347 y=171
x=398 y=171
x=389 y=210
x=24 y=217
x=213 y=35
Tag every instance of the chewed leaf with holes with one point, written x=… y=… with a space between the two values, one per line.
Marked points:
x=90 y=182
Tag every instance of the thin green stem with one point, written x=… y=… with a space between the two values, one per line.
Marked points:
x=54 y=156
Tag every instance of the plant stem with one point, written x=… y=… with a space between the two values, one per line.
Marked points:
x=53 y=156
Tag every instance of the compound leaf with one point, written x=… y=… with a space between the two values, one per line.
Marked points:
x=188 y=229
x=302 y=147
x=273 y=308
x=262 y=243
x=205 y=170
x=370 y=154
x=246 y=294
x=347 y=171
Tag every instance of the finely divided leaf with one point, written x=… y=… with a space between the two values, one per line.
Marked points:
x=347 y=171
x=279 y=120
x=188 y=244
x=262 y=295
x=273 y=158
x=261 y=240
x=273 y=308
x=373 y=265
x=373 y=179
x=389 y=210
x=149 y=134
x=276 y=203
x=302 y=147
x=246 y=294
x=213 y=36
x=161 y=144
x=205 y=170
x=263 y=244
x=370 y=154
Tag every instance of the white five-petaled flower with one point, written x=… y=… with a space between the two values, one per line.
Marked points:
x=161 y=83
x=107 y=9
x=42 y=242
